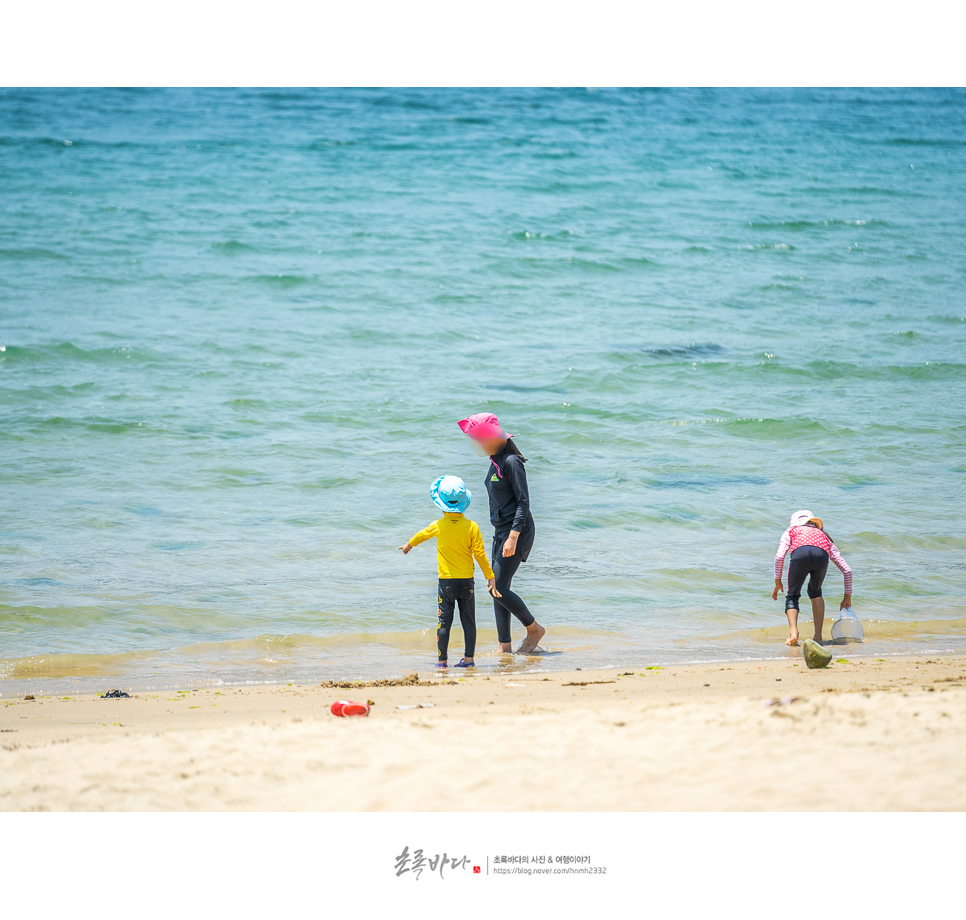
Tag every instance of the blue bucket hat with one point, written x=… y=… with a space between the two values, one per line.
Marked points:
x=449 y=493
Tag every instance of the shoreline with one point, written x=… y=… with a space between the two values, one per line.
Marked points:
x=864 y=734
x=85 y=673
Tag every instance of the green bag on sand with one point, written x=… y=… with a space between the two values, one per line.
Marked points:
x=816 y=656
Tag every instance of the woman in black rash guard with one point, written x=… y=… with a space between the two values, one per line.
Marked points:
x=513 y=527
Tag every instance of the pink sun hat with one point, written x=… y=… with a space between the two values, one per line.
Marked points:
x=482 y=427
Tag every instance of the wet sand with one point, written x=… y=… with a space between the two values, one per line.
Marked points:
x=865 y=734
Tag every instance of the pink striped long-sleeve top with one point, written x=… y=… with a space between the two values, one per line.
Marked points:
x=795 y=537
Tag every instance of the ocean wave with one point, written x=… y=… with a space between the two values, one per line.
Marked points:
x=91 y=424
x=705 y=483
x=926 y=142
x=229 y=247
x=927 y=370
x=533 y=236
x=695 y=349
x=32 y=253
x=60 y=143
x=523 y=388
x=67 y=352
x=281 y=280
x=881 y=192
x=801 y=226
x=829 y=370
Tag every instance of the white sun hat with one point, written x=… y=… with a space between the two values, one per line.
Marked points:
x=801 y=517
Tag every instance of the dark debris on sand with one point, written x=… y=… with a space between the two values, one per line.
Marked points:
x=410 y=680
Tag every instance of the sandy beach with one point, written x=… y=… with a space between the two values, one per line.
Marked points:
x=864 y=734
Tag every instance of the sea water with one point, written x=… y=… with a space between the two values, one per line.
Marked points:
x=239 y=326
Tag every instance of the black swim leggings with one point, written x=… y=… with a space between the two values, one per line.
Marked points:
x=504 y=568
x=453 y=591
x=809 y=562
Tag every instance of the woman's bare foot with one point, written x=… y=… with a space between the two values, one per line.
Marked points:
x=792 y=639
x=535 y=632
x=506 y=648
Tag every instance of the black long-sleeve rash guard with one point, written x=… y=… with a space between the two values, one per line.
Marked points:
x=506 y=486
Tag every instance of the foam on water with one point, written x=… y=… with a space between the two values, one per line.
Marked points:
x=238 y=328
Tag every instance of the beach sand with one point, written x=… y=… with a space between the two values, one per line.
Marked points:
x=864 y=734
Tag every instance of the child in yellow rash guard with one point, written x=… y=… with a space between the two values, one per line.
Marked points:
x=458 y=541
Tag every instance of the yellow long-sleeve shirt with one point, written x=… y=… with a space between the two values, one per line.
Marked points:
x=458 y=540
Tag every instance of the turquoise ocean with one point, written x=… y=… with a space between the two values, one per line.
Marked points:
x=238 y=328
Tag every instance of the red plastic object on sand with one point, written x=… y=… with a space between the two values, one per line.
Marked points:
x=349 y=708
